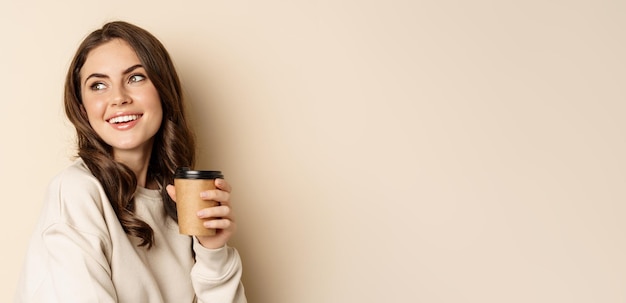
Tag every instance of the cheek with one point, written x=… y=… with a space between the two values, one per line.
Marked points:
x=156 y=106
x=158 y=113
x=93 y=109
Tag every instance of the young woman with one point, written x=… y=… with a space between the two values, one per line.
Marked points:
x=108 y=231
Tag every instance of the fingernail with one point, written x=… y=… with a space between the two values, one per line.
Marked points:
x=200 y=213
x=204 y=194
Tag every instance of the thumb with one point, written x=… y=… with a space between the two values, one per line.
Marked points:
x=171 y=190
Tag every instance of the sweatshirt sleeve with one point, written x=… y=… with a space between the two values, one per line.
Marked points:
x=67 y=259
x=78 y=268
x=216 y=275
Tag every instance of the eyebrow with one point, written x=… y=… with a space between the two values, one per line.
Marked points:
x=126 y=71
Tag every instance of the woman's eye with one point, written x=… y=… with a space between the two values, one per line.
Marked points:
x=98 y=86
x=136 y=78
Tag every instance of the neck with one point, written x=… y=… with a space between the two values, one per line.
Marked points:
x=138 y=162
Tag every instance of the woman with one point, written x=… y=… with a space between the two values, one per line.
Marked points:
x=108 y=230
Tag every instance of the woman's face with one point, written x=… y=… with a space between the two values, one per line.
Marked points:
x=121 y=103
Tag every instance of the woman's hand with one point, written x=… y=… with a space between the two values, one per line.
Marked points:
x=221 y=217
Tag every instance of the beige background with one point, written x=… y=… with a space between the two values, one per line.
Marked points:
x=381 y=151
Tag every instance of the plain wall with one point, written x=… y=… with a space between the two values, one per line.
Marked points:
x=380 y=151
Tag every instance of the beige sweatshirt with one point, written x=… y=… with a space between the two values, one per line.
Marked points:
x=80 y=253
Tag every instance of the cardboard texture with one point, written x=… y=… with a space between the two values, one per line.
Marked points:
x=188 y=203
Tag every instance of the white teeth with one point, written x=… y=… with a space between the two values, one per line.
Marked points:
x=122 y=119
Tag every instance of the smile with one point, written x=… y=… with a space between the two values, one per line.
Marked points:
x=123 y=119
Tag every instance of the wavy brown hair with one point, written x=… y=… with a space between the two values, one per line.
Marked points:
x=173 y=146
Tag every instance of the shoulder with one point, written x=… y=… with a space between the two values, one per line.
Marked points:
x=75 y=195
x=75 y=177
x=77 y=172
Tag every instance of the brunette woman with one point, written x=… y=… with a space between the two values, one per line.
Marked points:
x=108 y=231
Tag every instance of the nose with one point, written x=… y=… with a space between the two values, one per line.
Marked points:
x=120 y=97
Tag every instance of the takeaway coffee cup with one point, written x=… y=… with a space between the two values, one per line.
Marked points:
x=189 y=184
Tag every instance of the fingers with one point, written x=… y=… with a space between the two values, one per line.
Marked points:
x=223 y=185
x=221 y=195
x=215 y=195
x=218 y=217
x=222 y=211
x=218 y=223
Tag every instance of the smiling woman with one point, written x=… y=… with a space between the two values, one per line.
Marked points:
x=122 y=104
x=108 y=231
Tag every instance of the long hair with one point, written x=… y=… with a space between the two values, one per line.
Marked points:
x=174 y=144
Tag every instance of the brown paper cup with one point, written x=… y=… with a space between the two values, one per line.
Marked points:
x=188 y=203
